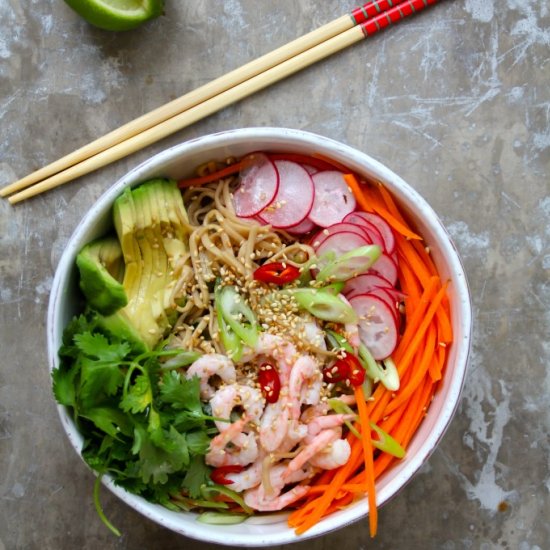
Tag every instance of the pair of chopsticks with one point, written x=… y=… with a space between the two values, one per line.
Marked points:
x=333 y=37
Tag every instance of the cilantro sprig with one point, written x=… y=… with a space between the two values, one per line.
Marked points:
x=143 y=424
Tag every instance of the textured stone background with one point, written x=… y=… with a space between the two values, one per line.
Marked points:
x=456 y=101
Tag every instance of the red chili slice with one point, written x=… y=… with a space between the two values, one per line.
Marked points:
x=277 y=273
x=270 y=383
x=346 y=368
x=218 y=474
x=356 y=371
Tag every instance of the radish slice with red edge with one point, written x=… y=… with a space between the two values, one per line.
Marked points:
x=371 y=230
x=364 y=283
x=377 y=325
x=388 y=299
x=302 y=228
x=383 y=227
x=386 y=267
x=259 y=183
x=320 y=237
x=294 y=198
x=333 y=198
x=340 y=243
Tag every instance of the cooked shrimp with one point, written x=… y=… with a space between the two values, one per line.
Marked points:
x=256 y=499
x=334 y=456
x=279 y=349
x=304 y=385
x=212 y=364
x=320 y=423
x=274 y=425
x=270 y=499
x=242 y=452
x=249 y=478
x=314 y=446
x=226 y=399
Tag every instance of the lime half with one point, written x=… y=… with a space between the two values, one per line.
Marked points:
x=117 y=15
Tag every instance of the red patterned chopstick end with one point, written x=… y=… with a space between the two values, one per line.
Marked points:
x=372 y=9
x=394 y=15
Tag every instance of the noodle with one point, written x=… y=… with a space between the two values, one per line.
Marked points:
x=226 y=248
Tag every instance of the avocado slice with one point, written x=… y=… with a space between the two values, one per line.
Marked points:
x=150 y=221
x=101 y=269
x=120 y=326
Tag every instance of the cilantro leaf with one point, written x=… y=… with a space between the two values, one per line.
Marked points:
x=180 y=392
x=109 y=420
x=161 y=454
x=197 y=475
x=98 y=346
x=64 y=386
x=139 y=395
x=97 y=380
x=198 y=442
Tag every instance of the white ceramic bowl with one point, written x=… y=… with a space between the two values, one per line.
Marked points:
x=178 y=162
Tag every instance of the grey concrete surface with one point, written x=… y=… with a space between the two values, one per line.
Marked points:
x=455 y=100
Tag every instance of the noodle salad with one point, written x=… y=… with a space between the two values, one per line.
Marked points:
x=266 y=336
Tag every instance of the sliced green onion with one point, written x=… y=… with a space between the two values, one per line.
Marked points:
x=334 y=288
x=207 y=490
x=386 y=442
x=339 y=407
x=337 y=341
x=182 y=359
x=350 y=264
x=324 y=305
x=237 y=314
x=387 y=373
x=217 y=518
x=367 y=387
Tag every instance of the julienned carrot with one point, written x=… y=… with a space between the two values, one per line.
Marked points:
x=425 y=399
x=368 y=457
x=214 y=176
x=306 y=517
x=415 y=320
x=353 y=184
x=390 y=204
x=378 y=206
x=420 y=358
x=405 y=359
x=417 y=265
x=427 y=356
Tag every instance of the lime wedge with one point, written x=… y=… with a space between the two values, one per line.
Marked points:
x=117 y=15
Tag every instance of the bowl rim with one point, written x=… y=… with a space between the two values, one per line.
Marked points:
x=353 y=158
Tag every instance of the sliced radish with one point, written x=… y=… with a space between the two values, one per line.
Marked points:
x=333 y=198
x=337 y=245
x=319 y=237
x=383 y=227
x=377 y=325
x=388 y=299
x=374 y=234
x=302 y=228
x=340 y=243
x=364 y=283
x=294 y=197
x=259 y=183
x=386 y=267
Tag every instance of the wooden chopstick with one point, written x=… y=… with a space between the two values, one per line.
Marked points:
x=358 y=25
x=203 y=93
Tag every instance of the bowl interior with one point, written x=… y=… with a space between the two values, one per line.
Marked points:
x=180 y=161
